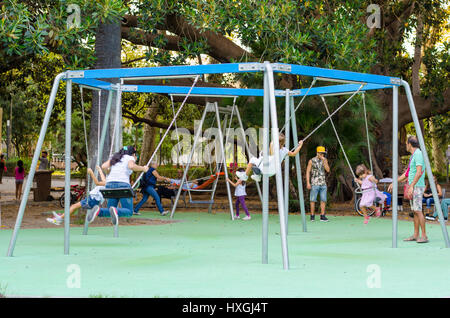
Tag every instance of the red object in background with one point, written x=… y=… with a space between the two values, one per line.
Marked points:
x=233 y=167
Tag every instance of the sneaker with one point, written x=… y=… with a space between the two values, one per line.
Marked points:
x=411 y=214
x=237 y=217
x=241 y=175
x=114 y=215
x=431 y=218
x=136 y=213
x=57 y=216
x=54 y=221
x=164 y=212
x=246 y=218
x=378 y=212
x=312 y=217
x=366 y=219
x=92 y=213
x=323 y=218
x=256 y=170
x=256 y=177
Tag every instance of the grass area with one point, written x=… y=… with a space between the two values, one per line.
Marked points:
x=207 y=255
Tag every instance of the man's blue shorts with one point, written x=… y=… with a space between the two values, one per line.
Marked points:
x=315 y=190
x=89 y=203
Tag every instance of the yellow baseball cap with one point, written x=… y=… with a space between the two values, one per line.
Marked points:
x=321 y=149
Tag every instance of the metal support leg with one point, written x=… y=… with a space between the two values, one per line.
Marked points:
x=394 y=165
x=429 y=172
x=34 y=163
x=68 y=157
x=297 y=166
x=265 y=192
x=276 y=154
x=286 y=161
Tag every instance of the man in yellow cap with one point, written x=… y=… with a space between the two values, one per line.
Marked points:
x=316 y=182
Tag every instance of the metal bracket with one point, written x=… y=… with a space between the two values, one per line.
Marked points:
x=396 y=81
x=75 y=74
x=251 y=67
x=210 y=107
x=281 y=67
x=129 y=88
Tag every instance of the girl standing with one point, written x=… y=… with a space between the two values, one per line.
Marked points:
x=19 y=174
x=369 y=191
x=240 y=194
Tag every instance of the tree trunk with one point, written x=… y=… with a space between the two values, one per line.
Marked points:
x=107 y=50
x=438 y=151
x=148 y=139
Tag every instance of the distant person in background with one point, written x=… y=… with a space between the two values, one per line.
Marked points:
x=428 y=195
x=44 y=161
x=20 y=176
x=2 y=167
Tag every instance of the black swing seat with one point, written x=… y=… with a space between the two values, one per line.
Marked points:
x=118 y=193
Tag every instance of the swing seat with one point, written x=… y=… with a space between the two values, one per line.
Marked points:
x=118 y=193
x=201 y=202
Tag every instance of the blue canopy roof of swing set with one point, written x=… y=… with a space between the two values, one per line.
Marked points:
x=352 y=80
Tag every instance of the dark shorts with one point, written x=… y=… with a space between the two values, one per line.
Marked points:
x=19 y=181
x=89 y=203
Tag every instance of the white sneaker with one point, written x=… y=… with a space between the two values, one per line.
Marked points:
x=114 y=215
x=92 y=213
x=248 y=217
x=242 y=175
x=256 y=177
x=237 y=217
x=165 y=212
x=57 y=216
x=53 y=221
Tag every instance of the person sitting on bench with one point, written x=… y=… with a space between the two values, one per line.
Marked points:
x=120 y=167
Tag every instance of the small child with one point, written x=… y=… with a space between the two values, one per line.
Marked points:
x=92 y=202
x=369 y=191
x=256 y=164
x=20 y=176
x=240 y=194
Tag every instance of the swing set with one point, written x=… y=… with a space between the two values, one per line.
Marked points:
x=345 y=83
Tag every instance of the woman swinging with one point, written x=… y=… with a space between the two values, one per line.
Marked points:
x=120 y=167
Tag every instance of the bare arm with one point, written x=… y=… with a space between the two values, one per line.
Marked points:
x=133 y=166
x=373 y=179
x=106 y=165
x=308 y=172
x=325 y=165
x=358 y=181
x=297 y=150
x=159 y=177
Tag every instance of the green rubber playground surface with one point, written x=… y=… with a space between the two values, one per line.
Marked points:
x=207 y=255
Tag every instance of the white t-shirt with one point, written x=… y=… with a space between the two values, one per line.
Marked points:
x=259 y=161
x=96 y=194
x=120 y=171
x=240 y=190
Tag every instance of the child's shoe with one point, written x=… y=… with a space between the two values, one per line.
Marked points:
x=237 y=217
x=248 y=217
x=366 y=219
x=241 y=175
x=57 y=216
x=378 y=212
x=256 y=177
x=53 y=221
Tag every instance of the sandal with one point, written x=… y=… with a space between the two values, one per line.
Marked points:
x=410 y=239
x=422 y=240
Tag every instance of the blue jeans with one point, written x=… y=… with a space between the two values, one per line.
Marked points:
x=315 y=190
x=445 y=204
x=126 y=204
x=149 y=191
x=429 y=201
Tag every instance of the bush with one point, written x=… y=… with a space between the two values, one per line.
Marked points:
x=11 y=165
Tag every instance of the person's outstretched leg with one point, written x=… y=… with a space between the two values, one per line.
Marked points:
x=144 y=199
x=150 y=190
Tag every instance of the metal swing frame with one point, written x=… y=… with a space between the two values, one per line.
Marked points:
x=91 y=78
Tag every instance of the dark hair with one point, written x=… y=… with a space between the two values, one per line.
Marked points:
x=127 y=150
x=20 y=165
x=45 y=152
x=2 y=156
x=360 y=170
x=413 y=142
x=241 y=169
